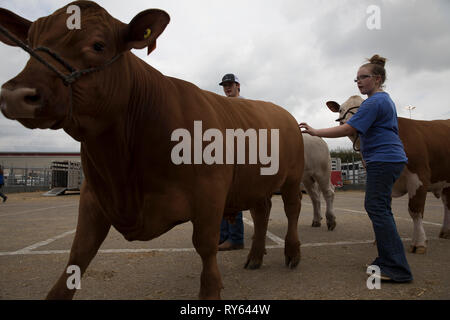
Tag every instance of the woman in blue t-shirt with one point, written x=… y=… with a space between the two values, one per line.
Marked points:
x=382 y=150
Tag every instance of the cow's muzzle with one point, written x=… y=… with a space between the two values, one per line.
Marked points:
x=21 y=103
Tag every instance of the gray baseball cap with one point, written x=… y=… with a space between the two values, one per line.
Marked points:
x=229 y=78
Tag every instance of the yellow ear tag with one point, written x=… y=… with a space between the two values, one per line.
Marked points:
x=147 y=34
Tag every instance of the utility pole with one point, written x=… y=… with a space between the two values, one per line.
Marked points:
x=410 y=108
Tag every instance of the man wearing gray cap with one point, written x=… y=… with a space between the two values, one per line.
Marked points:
x=231 y=234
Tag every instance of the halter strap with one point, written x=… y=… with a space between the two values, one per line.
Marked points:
x=347 y=112
x=343 y=117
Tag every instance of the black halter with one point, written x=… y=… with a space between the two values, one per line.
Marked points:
x=347 y=112
x=343 y=117
x=69 y=79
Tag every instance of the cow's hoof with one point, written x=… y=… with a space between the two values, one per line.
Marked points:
x=316 y=224
x=253 y=264
x=255 y=258
x=418 y=249
x=444 y=234
x=292 y=254
x=292 y=262
x=331 y=225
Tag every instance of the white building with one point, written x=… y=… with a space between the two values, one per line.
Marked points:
x=34 y=160
x=353 y=173
x=335 y=164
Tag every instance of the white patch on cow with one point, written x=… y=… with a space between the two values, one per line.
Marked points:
x=413 y=182
x=419 y=237
x=352 y=102
x=438 y=187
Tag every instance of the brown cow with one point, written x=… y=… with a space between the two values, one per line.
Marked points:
x=124 y=113
x=427 y=147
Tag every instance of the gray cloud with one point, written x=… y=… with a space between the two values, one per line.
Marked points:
x=298 y=54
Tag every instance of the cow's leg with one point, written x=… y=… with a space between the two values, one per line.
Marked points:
x=260 y=215
x=416 y=207
x=445 y=231
x=312 y=188
x=328 y=193
x=292 y=205
x=205 y=238
x=92 y=230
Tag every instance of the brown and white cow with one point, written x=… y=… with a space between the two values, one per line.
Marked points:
x=427 y=147
x=124 y=113
x=317 y=178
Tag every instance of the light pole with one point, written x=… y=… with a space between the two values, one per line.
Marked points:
x=410 y=108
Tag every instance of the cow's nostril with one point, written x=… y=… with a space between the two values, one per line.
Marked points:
x=33 y=99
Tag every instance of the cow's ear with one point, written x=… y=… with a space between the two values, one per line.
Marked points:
x=15 y=24
x=145 y=28
x=333 y=106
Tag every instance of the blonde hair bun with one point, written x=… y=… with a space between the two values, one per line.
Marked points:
x=376 y=59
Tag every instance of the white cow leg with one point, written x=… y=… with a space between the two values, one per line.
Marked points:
x=419 y=239
x=417 y=196
x=328 y=194
x=445 y=231
x=314 y=194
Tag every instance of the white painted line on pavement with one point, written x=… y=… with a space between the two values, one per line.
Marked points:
x=395 y=217
x=36 y=210
x=365 y=213
x=269 y=234
x=44 y=243
x=109 y=251
x=273 y=237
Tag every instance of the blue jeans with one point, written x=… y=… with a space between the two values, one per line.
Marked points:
x=392 y=259
x=233 y=232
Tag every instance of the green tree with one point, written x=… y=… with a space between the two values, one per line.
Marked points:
x=346 y=155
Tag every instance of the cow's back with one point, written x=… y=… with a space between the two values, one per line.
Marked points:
x=427 y=146
x=188 y=104
x=248 y=181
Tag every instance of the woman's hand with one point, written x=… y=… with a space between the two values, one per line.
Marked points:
x=307 y=129
x=334 y=132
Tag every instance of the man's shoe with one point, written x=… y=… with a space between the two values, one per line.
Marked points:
x=227 y=246
x=5 y=198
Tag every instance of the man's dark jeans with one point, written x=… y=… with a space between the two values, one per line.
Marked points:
x=233 y=232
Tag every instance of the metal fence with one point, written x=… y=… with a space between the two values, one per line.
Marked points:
x=26 y=179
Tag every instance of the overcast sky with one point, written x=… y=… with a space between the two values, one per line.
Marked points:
x=295 y=53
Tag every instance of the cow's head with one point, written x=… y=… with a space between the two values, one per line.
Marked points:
x=346 y=110
x=38 y=98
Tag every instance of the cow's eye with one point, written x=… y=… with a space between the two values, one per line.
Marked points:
x=99 y=47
